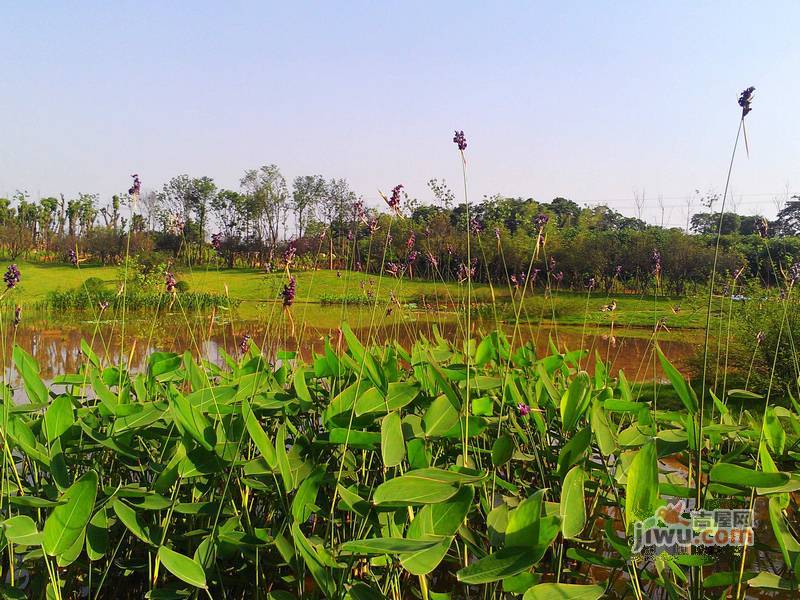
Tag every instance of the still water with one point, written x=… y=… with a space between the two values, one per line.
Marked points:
x=57 y=346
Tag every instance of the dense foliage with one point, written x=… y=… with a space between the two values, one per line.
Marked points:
x=379 y=472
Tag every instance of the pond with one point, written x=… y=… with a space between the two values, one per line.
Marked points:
x=56 y=343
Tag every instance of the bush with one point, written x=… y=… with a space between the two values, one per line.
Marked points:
x=182 y=286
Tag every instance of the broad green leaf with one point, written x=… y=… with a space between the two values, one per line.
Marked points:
x=388 y=545
x=575 y=401
x=773 y=432
x=22 y=530
x=604 y=433
x=502 y=450
x=257 y=434
x=399 y=394
x=440 y=417
x=422 y=486
x=300 y=387
x=641 y=498
x=58 y=418
x=678 y=383
x=393 y=446
x=572 y=507
x=192 y=421
x=184 y=568
x=68 y=521
x=499 y=565
x=283 y=460
x=130 y=519
x=564 y=591
x=574 y=450
x=97 y=535
x=29 y=371
x=731 y=474
x=314 y=563
x=303 y=504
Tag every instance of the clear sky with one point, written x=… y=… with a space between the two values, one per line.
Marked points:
x=587 y=100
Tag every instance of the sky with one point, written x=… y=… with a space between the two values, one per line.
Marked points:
x=593 y=101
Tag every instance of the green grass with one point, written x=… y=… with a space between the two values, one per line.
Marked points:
x=253 y=286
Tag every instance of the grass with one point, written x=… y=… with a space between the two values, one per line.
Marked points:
x=253 y=286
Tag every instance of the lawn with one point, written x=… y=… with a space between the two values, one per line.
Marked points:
x=254 y=287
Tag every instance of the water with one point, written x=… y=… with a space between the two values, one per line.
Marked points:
x=57 y=346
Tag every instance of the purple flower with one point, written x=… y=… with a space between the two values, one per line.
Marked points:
x=358 y=265
x=373 y=225
x=475 y=226
x=460 y=140
x=618 y=271
x=73 y=257
x=410 y=241
x=465 y=273
x=559 y=277
x=656 y=262
x=12 y=276
x=393 y=269
x=745 y=98
x=412 y=256
x=432 y=260
x=17 y=315
x=591 y=283
x=523 y=409
x=169 y=281
x=497 y=233
x=514 y=282
x=136 y=187
x=540 y=220
x=289 y=292
x=760 y=337
x=216 y=243
x=394 y=199
x=289 y=253
x=552 y=263
x=244 y=345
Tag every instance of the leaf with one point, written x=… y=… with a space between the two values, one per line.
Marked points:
x=575 y=401
x=130 y=519
x=29 y=371
x=304 y=500
x=300 y=387
x=393 y=447
x=641 y=497
x=528 y=527
x=68 y=521
x=572 y=507
x=603 y=432
x=773 y=432
x=22 y=530
x=258 y=435
x=499 y=565
x=387 y=545
x=436 y=521
x=399 y=394
x=192 y=421
x=97 y=535
x=678 y=383
x=283 y=460
x=573 y=450
x=422 y=486
x=731 y=474
x=565 y=591
x=313 y=562
x=184 y=568
x=58 y=418
x=440 y=417
x=502 y=450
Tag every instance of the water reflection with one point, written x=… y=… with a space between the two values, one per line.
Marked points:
x=57 y=347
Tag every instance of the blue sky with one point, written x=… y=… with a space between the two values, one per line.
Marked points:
x=588 y=100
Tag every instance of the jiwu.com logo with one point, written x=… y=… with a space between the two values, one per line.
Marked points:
x=672 y=526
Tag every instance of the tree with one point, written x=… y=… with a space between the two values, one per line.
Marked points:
x=566 y=211
x=334 y=209
x=788 y=219
x=267 y=200
x=307 y=192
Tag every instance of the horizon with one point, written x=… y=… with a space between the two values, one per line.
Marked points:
x=551 y=104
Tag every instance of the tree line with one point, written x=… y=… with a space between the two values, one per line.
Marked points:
x=323 y=223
